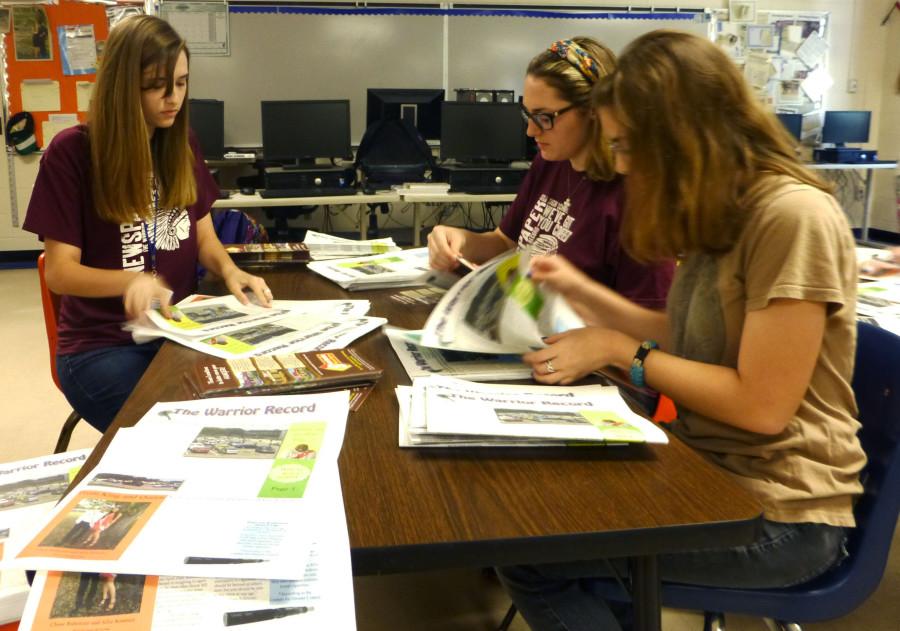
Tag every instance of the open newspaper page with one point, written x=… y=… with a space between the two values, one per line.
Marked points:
x=878 y=302
x=421 y=361
x=321 y=599
x=215 y=488
x=498 y=309
x=394 y=269
x=211 y=316
x=28 y=490
x=327 y=246
x=589 y=414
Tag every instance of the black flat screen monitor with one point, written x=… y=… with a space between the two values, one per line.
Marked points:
x=207 y=119
x=793 y=123
x=421 y=107
x=843 y=127
x=482 y=132
x=301 y=131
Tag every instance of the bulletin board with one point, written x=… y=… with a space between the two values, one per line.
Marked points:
x=41 y=73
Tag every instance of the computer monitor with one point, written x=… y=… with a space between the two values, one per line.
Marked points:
x=482 y=132
x=298 y=132
x=421 y=107
x=843 y=127
x=793 y=123
x=207 y=119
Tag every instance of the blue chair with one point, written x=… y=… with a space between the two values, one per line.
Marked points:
x=876 y=384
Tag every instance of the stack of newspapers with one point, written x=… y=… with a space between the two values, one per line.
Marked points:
x=206 y=514
x=405 y=268
x=323 y=246
x=225 y=328
x=441 y=411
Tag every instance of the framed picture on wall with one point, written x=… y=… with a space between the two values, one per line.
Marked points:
x=31 y=34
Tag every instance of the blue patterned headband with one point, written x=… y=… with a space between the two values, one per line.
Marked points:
x=578 y=57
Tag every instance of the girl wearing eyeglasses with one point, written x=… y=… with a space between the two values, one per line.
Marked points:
x=757 y=344
x=122 y=205
x=570 y=202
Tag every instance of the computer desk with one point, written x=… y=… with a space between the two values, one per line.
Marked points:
x=869 y=168
x=239 y=200
x=416 y=199
x=417 y=509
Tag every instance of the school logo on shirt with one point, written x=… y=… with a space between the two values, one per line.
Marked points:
x=167 y=230
x=548 y=224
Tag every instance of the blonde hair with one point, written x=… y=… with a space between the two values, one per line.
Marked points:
x=123 y=158
x=700 y=146
x=574 y=87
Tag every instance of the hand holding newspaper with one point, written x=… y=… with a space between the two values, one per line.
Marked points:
x=497 y=308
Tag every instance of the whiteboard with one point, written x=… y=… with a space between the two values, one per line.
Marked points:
x=303 y=56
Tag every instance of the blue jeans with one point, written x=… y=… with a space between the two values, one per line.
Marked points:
x=97 y=382
x=558 y=596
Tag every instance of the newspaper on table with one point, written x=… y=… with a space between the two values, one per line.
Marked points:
x=214 y=488
x=394 y=269
x=878 y=303
x=443 y=411
x=28 y=490
x=324 y=247
x=421 y=361
x=299 y=326
x=321 y=599
x=498 y=309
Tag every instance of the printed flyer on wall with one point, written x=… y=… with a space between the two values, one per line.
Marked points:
x=215 y=488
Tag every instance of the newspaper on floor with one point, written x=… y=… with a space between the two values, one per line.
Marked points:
x=300 y=326
x=215 y=488
x=324 y=247
x=321 y=599
x=394 y=269
x=421 y=361
x=454 y=411
x=28 y=490
x=498 y=309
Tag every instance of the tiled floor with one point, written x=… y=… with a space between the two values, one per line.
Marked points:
x=33 y=412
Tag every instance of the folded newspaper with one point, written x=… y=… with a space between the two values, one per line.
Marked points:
x=498 y=309
x=441 y=411
x=405 y=268
x=225 y=328
x=323 y=246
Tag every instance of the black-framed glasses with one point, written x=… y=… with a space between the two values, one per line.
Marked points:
x=545 y=120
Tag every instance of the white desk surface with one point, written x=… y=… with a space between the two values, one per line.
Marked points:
x=239 y=200
x=457 y=197
x=850 y=165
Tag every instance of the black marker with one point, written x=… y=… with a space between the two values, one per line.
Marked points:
x=233 y=618
x=214 y=560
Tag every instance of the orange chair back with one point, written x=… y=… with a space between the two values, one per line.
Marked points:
x=50 y=302
x=665 y=410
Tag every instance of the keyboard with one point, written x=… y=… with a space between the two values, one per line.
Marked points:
x=274 y=193
x=493 y=189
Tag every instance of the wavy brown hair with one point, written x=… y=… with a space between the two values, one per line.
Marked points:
x=572 y=86
x=700 y=146
x=123 y=157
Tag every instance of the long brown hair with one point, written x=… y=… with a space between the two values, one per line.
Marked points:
x=700 y=146
x=575 y=88
x=123 y=159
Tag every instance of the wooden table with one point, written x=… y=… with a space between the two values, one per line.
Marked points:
x=419 y=509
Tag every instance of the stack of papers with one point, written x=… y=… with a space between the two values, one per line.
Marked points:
x=225 y=328
x=441 y=411
x=405 y=268
x=28 y=491
x=206 y=514
x=878 y=303
x=323 y=247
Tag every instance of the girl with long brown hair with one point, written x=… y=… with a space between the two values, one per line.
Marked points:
x=570 y=202
x=122 y=205
x=757 y=343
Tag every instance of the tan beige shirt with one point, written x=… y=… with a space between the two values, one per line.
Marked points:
x=796 y=245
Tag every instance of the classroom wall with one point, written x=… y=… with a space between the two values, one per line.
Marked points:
x=860 y=49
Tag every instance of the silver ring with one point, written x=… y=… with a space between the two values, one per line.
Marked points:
x=550 y=368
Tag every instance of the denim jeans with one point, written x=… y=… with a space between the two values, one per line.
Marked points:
x=558 y=597
x=97 y=382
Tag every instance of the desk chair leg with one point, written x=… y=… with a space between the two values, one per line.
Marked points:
x=66 y=433
x=778 y=625
x=713 y=621
x=507 y=619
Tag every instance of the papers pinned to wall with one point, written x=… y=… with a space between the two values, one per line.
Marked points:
x=83 y=92
x=203 y=24
x=812 y=50
x=77 y=49
x=40 y=95
x=55 y=124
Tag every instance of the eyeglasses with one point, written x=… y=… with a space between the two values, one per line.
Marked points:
x=544 y=120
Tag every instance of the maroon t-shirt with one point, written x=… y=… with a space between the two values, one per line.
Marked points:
x=62 y=209
x=560 y=211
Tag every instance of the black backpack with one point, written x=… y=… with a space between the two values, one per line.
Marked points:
x=393 y=152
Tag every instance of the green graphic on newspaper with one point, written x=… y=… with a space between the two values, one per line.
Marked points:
x=613 y=427
x=519 y=288
x=294 y=461
x=247 y=339
x=191 y=318
x=376 y=266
